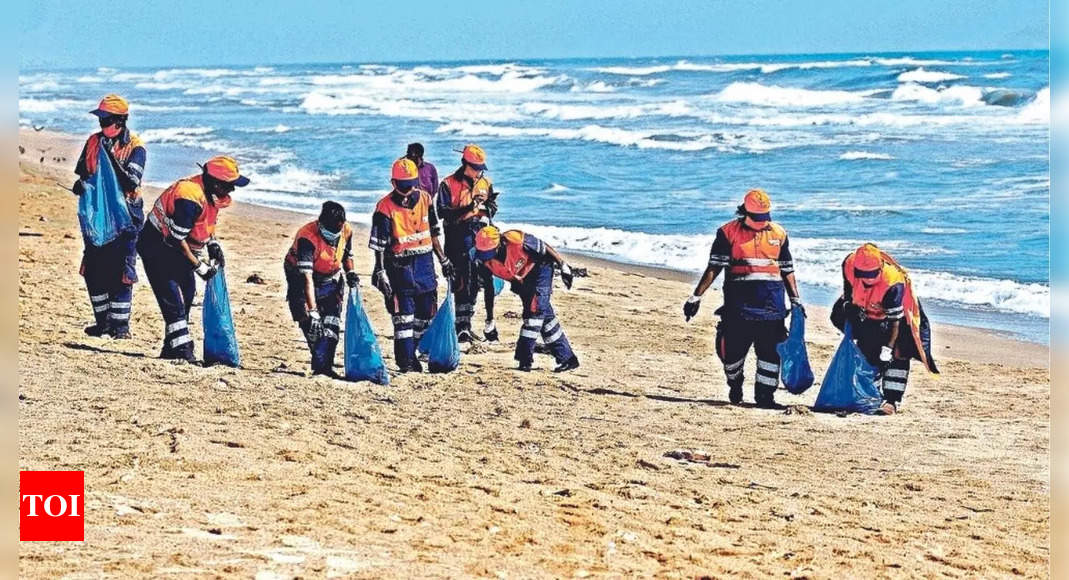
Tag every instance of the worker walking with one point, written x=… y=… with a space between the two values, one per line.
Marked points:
x=404 y=233
x=528 y=263
x=110 y=270
x=315 y=288
x=756 y=254
x=889 y=323
x=179 y=228
x=466 y=202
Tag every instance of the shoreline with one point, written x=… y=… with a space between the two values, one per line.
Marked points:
x=976 y=344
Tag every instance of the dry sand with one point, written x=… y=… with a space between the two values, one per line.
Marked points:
x=263 y=471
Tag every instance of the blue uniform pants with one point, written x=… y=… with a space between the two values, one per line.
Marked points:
x=412 y=313
x=459 y=243
x=172 y=279
x=330 y=293
x=539 y=318
x=110 y=272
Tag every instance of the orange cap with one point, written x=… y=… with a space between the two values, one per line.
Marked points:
x=868 y=258
x=111 y=105
x=474 y=155
x=225 y=169
x=404 y=169
x=487 y=239
x=756 y=201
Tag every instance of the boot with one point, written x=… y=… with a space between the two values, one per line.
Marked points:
x=765 y=397
x=98 y=329
x=735 y=394
x=572 y=363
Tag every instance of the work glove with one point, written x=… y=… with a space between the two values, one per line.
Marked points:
x=205 y=271
x=885 y=354
x=78 y=188
x=690 y=307
x=215 y=254
x=566 y=275
x=380 y=281
x=352 y=279
x=315 y=326
x=491 y=207
x=448 y=270
x=796 y=304
x=888 y=408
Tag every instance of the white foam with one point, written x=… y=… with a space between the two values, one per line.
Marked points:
x=963 y=95
x=1037 y=111
x=179 y=135
x=919 y=75
x=998 y=75
x=31 y=105
x=773 y=95
x=568 y=112
x=856 y=155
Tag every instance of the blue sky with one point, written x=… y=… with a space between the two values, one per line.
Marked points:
x=57 y=34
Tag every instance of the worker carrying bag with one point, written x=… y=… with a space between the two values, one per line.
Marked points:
x=439 y=343
x=363 y=356
x=849 y=384
x=795 y=372
x=102 y=210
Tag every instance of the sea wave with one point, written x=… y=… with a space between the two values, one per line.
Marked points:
x=180 y=135
x=777 y=96
x=856 y=155
x=919 y=75
x=32 y=105
x=963 y=95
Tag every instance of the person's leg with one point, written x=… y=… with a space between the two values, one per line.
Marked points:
x=404 y=344
x=552 y=333
x=96 y=284
x=467 y=285
x=487 y=283
x=160 y=266
x=426 y=307
x=121 y=290
x=329 y=304
x=733 y=341
x=767 y=335
x=531 y=328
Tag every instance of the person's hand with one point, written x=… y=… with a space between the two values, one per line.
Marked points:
x=885 y=354
x=78 y=188
x=796 y=304
x=215 y=253
x=491 y=207
x=691 y=306
x=352 y=279
x=887 y=408
x=205 y=271
x=566 y=275
x=315 y=326
x=448 y=270
x=380 y=281
x=479 y=197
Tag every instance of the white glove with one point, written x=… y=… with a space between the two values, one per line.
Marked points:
x=490 y=327
x=885 y=354
x=205 y=270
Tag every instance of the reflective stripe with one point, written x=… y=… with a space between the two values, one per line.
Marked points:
x=413 y=252
x=767 y=366
x=135 y=167
x=754 y=262
x=418 y=236
x=330 y=333
x=534 y=322
x=897 y=373
x=175 y=326
x=305 y=264
x=100 y=308
x=119 y=316
x=121 y=305
x=527 y=333
x=732 y=375
x=180 y=340
x=555 y=336
x=332 y=320
x=99 y=297
x=734 y=365
x=376 y=247
x=892 y=385
x=465 y=308
x=757 y=276
x=406 y=333
x=464 y=318
x=403 y=318
x=769 y=381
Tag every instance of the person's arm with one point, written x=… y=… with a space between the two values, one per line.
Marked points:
x=719 y=258
x=306 y=251
x=893 y=308
x=848 y=289
x=130 y=172
x=79 y=167
x=786 y=269
x=186 y=213
x=347 y=255
x=444 y=202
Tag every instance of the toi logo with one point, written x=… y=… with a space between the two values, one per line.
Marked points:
x=51 y=506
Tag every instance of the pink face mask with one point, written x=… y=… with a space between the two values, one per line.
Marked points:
x=223 y=201
x=111 y=131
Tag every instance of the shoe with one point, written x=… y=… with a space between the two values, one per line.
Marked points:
x=769 y=403
x=887 y=408
x=491 y=335
x=524 y=367
x=465 y=336
x=414 y=367
x=331 y=373
x=735 y=395
x=541 y=348
x=98 y=330
x=572 y=363
x=120 y=334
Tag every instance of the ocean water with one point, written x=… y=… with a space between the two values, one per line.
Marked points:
x=940 y=158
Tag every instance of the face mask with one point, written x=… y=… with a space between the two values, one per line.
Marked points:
x=112 y=131
x=331 y=237
x=223 y=201
x=485 y=255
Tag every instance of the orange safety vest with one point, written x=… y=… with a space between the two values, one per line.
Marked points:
x=327 y=260
x=870 y=298
x=119 y=151
x=460 y=195
x=411 y=226
x=191 y=188
x=754 y=253
x=517 y=263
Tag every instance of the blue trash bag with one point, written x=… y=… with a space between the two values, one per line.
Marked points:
x=499 y=285
x=363 y=357
x=102 y=210
x=794 y=369
x=439 y=343
x=849 y=384
x=220 y=342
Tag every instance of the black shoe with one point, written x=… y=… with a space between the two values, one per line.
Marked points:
x=123 y=334
x=572 y=363
x=414 y=367
x=524 y=367
x=768 y=403
x=735 y=395
x=465 y=336
x=491 y=336
x=331 y=373
x=98 y=330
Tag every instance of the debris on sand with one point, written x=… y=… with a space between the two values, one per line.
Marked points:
x=255 y=278
x=797 y=410
x=698 y=457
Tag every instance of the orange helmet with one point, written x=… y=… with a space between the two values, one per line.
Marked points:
x=487 y=239
x=868 y=260
x=756 y=201
x=404 y=169
x=475 y=156
x=111 y=105
x=225 y=169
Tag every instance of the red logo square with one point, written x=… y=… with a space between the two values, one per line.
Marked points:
x=51 y=506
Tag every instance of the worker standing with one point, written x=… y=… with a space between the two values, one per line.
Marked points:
x=428 y=173
x=110 y=270
x=528 y=263
x=172 y=243
x=466 y=202
x=404 y=233
x=890 y=325
x=756 y=254
x=315 y=288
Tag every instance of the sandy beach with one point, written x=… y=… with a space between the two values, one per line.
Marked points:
x=265 y=471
